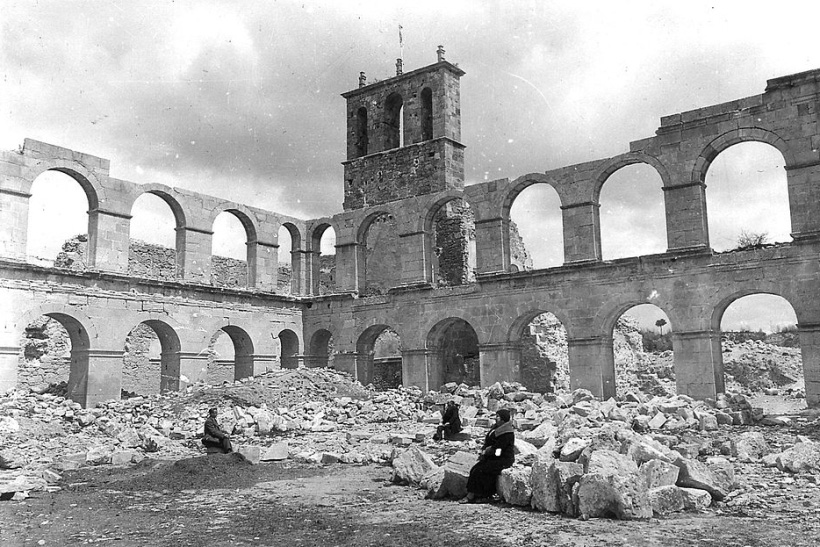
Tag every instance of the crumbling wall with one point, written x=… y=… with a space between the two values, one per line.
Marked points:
x=383 y=258
x=520 y=259
x=45 y=354
x=454 y=231
x=544 y=355
x=141 y=365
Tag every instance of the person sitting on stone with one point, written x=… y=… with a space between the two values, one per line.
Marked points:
x=450 y=422
x=214 y=437
x=497 y=454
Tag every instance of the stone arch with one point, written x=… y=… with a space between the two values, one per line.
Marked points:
x=243 y=351
x=169 y=361
x=514 y=190
x=431 y=213
x=165 y=193
x=379 y=266
x=542 y=365
x=242 y=213
x=320 y=349
x=361 y=132
x=454 y=347
x=393 y=111
x=295 y=234
x=426 y=113
x=370 y=369
x=618 y=162
x=728 y=299
x=289 y=349
x=316 y=232
x=87 y=180
x=735 y=136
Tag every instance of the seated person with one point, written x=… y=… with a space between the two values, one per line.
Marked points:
x=214 y=437
x=498 y=453
x=450 y=422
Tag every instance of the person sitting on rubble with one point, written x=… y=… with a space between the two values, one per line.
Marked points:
x=214 y=437
x=497 y=454
x=450 y=422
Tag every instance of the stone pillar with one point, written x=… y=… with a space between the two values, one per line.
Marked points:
x=9 y=362
x=108 y=239
x=810 y=352
x=698 y=363
x=194 y=254
x=582 y=232
x=14 y=220
x=95 y=377
x=263 y=265
x=354 y=364
x=347 y=267
x=686 y=224
x=804 y=194
x=415 y=262
x=299 y=273
x=499 y=363
x=492 y=239
x=592 y=365
x=421 y=368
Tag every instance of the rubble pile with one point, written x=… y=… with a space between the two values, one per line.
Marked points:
x=578 y=456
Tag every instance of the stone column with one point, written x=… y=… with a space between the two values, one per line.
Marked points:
x=14 y=220
x=356 y=364
x=492 y=239
x=108 y=240
x=415 y=267
x=592 y=365
x=686 y=224
x=347 y=267
x=582 y=232
x=194 y=254
x=804 y=194
x=698 y=363
x=263 y=265
x=95 y=377
x=9 y=362
x=421 y=368
x=810 y=352
x=299 y=273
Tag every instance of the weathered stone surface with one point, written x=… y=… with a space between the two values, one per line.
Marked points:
x=411 y=466
x=612 y=487
x=801 y=458
x=514 y=486
x=454 y=479
x=122 y=457
x=749 y=446
x=695 y=499
x=98 y=455
x=666 y=499
x=659 y=473
x=523 y=448
x=328 y=458
x=8 y=425
x=251 y=453
x=552 y=484
x=694 y=474
x=275 y=452
x=573 y=448
x=540 y=435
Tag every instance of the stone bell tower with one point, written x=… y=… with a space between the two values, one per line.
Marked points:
x=403 y=135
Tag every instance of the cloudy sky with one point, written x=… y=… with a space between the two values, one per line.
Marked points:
x=241 y=99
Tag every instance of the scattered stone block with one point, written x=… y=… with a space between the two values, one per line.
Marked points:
x=328 y=458
x=612 y=487
x=514 y=486
x=454 y=478
x=250 y=452
x=803 y=457
x=411 y=466
x=694 y=474
x=275 y=452
x=666 y=499
x=708 y=422
x=523 y=448
x=98 y=455
x=552 y=485
x=122 y=457
x=695 y=499
x=749 y=446
x=659 y=473
x=573 y=448
x=657 y=421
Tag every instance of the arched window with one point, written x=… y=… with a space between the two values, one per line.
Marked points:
x=426 y=114
x=393 y=110
x=361 y=132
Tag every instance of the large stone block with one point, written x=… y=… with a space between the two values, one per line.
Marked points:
x=801 y=458
x=659 y=473
x=514 y=486
x=552 y=485
x=612 y=487
x=666 y=499
x=411 y=466
x=453 y=480
x=694 y=474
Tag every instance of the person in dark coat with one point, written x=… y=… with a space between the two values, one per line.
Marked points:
x=450 y=422
x=214 y=437
x=498 y=453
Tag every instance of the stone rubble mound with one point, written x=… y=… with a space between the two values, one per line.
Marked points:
x=574 y=452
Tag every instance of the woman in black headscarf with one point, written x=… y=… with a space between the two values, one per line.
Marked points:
x=498 y=453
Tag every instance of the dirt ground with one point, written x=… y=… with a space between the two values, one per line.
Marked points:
x=224 y=500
